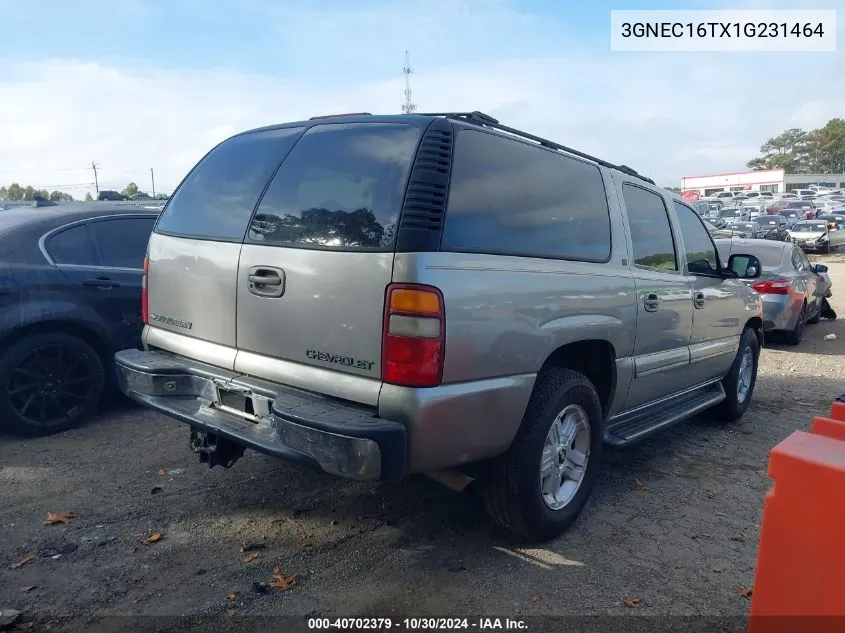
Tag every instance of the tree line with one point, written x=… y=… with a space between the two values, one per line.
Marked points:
x=16 y=192
x=819 y=151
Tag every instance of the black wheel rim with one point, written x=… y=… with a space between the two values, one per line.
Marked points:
x=53 y=384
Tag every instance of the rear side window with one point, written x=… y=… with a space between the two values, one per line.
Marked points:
x=651 y=233
x=510 y=198
x=122 y=242
x=72 y=247
x=340 y=188
x=216 y=200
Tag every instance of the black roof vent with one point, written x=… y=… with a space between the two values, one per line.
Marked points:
x=425 y=199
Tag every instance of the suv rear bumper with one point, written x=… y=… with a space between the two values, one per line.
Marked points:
x=341 y=438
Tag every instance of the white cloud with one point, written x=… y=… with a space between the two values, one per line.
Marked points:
x=667 y=115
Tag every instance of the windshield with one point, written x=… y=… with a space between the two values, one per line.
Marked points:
x=815 y=227
x=805 y=204
x=748 y=226
x=767 y=220
x=728 y=213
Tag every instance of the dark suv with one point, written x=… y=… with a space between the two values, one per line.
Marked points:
x=111 y=195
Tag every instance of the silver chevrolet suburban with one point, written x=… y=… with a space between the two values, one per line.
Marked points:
x=377 y=296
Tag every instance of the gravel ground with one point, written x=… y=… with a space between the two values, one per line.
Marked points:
x=672 y=522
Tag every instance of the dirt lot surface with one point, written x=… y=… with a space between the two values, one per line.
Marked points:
x=672 y=522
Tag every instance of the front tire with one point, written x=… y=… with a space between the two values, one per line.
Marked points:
x=537 y=489
x=740 y=380
x=49 y=383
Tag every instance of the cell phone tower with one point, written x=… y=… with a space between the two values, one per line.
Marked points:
x=409 y=106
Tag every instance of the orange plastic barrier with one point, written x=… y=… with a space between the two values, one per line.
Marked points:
x=800 y=572
x=837 y=410
x=829 y=427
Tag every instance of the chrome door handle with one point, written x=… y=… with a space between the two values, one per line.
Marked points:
x=651 y=302
x=698 y=300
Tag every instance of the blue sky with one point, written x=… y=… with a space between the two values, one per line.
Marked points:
x=136 y=84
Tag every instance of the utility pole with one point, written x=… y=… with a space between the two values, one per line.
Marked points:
x=153 y=178
x=409 y=107
x=96 y=182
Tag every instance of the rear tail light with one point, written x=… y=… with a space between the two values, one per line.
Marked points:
x=773 y=287
x=414 y=336
x=145 y=294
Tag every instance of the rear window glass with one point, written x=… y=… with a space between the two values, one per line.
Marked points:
x=216 y=200
x=341 y=188
x=510 y=198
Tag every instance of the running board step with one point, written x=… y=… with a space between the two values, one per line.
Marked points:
x=634 y=425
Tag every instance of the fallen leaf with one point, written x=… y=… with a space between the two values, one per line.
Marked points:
x=24 y=626
x=156 y=490
x=232 y=595
x=22 y=562
x=535 y=598
x=161 y=472
x=28 y=588
x=639 y=486
x=58 y=518
x=282 y=583
x=745 y=592
x=155 y=537
x=250 y=557
x=631 y=602
x=248 y=547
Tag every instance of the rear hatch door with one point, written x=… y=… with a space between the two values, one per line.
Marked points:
x=318 y=257
x=194 y=251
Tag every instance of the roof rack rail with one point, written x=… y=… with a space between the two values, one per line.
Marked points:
x=485 y=120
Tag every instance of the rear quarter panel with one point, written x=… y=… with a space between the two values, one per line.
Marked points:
x=505 y=315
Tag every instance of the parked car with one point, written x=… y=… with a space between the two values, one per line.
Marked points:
x=752 y=209
x=70 y=295
x=791 y=216
x=723 y=196
x=773 y=227
x=746 y=229
x=379 y=333
x=801 y=206
x=111 y=195
x=733 y=214
x=777 y=206
x=791 y=287
x=815 y=235
x=716 y=231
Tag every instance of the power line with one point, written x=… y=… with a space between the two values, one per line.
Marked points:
x=409 y=106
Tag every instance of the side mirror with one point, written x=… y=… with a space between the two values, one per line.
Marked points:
x=819 y=268
x=745 y=266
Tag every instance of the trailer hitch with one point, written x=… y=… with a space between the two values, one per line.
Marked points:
x=214 y=450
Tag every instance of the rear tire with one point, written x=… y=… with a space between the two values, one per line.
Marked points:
x=740 y=381
x=49 y=383
x=537 y=489
x=794 y=336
